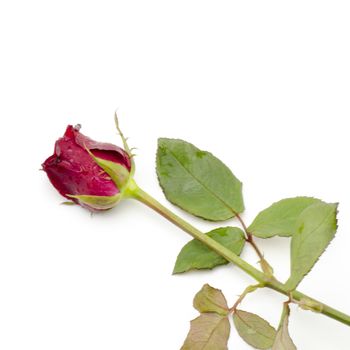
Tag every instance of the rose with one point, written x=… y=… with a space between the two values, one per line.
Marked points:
x=98 y=175
x=87 y=172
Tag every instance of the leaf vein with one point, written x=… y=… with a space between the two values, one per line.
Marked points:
x=203 y=185
x=250 y=327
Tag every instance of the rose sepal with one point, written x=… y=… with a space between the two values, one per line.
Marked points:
x=118 y=173
x=97 y=202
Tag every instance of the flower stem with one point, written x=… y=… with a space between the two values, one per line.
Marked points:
x=265 y=266
x=249 y=289
x=264 y=279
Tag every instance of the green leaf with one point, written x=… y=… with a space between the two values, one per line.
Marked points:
x=196 y=255
x=254 y=330
x=283 y=340
x=208 y=332
x=197 y=182
x=280 y=218
x=315 y=228
x=210 y=299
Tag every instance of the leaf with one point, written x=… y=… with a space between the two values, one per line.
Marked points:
x=196 y=255
x=283 y=340
x=197 y=182
x=315 y=228
x=208 y=332
x=210 y=299
x=280 y=218
x=254 y=330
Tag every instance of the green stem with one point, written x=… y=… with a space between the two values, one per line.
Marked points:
x=285 y=313
x=249 y=289
x=265 y=266
x=135 y=192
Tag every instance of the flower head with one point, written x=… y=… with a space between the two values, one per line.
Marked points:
x=88 y=172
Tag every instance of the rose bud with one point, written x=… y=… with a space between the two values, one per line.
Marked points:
x=91 y=174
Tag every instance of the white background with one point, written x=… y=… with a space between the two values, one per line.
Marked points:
x=264 y=85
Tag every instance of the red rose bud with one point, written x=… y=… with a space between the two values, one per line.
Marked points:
x=87 y=172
